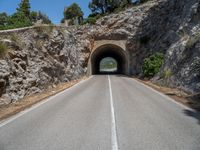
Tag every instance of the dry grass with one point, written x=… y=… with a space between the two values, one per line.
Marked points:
x=17 y=40
x=45 y=29
x=3 y=49
x=12 y=109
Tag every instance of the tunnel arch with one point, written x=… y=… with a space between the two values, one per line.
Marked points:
x=109 y=50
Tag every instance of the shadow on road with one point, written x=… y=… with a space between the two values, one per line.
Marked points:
x=193 y=113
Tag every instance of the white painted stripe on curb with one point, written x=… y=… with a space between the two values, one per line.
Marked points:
x=11 y=119
x=113 y=122
x=163 y=95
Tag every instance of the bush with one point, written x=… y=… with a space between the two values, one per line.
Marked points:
x=23 y=17
x=43 y=17
x=152 y=64
x=3 y=49
x=91 y=20
x=17 y=20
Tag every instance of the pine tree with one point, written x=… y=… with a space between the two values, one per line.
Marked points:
x=104 y=6
x=24 y=7
x=73 y=13
x=3 y=18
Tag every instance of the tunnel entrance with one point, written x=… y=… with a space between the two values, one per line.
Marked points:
x=110 y=53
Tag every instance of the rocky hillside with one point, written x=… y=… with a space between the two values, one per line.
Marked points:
x=41 y=57
x=168 y=26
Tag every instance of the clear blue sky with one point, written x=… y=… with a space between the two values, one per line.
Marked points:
x=52 y=8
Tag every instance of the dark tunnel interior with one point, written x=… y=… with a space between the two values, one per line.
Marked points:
x=112 y=51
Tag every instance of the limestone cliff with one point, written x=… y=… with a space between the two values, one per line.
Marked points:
x=168 y=26
x=39 y=58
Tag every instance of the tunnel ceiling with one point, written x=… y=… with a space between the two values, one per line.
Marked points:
x=109 y=50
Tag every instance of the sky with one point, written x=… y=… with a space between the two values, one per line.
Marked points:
x=52 y=8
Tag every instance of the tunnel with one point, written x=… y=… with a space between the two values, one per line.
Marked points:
x=112 y=51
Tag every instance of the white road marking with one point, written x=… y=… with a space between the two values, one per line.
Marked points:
x=11 y=119
x=113 y=123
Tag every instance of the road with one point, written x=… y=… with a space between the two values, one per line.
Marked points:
x=104 y=113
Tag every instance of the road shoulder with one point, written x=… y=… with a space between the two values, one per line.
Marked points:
x=177 y=95
x=9 y=110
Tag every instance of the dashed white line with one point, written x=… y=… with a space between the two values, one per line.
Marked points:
x=113 y=120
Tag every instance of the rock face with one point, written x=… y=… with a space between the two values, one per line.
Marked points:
x=41 y=57
x=168 y=26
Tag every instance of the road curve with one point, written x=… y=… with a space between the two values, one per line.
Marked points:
x=104 y=113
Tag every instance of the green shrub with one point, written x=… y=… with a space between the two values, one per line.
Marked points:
x=91 y=20
x=3 y=49
x=152 y=64
x=18 y=20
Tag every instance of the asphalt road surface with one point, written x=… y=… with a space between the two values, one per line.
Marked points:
x=104 y=113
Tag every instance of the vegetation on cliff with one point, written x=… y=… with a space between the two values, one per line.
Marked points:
x=99 y=8
x=23 y=17
x=3 y=49
x=152 y=64
x=74 y=14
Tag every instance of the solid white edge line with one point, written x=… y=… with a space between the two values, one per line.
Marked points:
x=163 y=95
x=18 y=115
x=113 y=120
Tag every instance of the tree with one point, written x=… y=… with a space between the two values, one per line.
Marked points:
x=24 y=7
x=113 y=4
x=98 y=6
x=73 y=13
x=23 y=17
x=34 y=16
x=106 y=6
x=44 y=18
x=39 y=16
x=18 y=20
x=3 y=18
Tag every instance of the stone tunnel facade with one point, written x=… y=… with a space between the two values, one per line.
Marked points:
x=109 y=48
